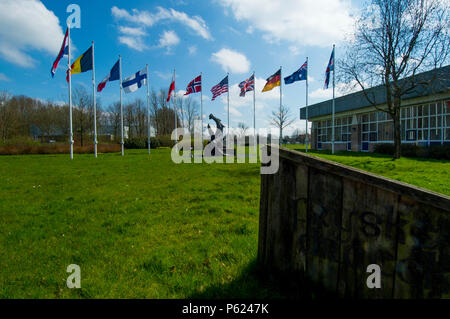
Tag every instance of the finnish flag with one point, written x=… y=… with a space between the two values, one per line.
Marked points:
x=134 y=82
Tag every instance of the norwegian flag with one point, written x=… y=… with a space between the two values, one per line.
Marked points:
x=194 y=86
x=247 y=85
x=330 y=68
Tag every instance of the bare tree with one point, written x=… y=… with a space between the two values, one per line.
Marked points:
x=114 y=120
x=393 y=41
x=191 y=109
x=281 y=119
x=82 y=121
x=243 y=128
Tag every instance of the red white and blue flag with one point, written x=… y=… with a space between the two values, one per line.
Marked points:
x=247 y=85
x=330 y=68
x=194 y=86
x=62 y=52
x=220 y=88
x=113 y=75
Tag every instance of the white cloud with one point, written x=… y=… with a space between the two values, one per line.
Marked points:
x=3 y=77
x=318 y=23
x=164 y=76
x=148 y=19
x=233 y=111
x=192 y=50
x=340 y=90
x=168 y=39
x=132 y=31
x=135 y=43
x=231 y=61
x=27 y=25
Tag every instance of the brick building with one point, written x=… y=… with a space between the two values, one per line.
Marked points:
x=359 y=126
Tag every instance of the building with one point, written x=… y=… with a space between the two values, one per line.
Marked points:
x=360 y=126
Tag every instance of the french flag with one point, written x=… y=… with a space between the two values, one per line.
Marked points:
x=113 y=75
x=62 y=52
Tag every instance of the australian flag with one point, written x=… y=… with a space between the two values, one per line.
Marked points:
x=330 y=68
x=62 y=52
x=194 y=86
x=299 y=75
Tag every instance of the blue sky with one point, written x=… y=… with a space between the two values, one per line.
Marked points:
x=212 y=37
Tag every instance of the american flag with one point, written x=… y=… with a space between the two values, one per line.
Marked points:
x=247 y=85
x=220 y=88
x=194 y=86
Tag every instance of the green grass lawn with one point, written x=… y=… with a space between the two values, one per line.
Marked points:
x=143 y=227
x=426 y=173
x=138 y=227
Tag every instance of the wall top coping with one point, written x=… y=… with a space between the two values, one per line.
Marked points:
x=422 y=195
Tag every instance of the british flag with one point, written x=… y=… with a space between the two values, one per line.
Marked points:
x=194 y=86
x=247 y=85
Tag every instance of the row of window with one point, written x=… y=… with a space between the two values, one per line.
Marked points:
x=418 y=123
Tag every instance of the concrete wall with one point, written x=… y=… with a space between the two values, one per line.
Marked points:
x=329 y=222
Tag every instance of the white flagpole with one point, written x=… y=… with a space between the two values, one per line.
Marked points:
x=228 y=98
x=70 y=96
x=95 y=106
x=254 y=114
x=175 y=99
x=148 y=112
x=332 y=135
x=201 y=106
x=306 y=136
x=121 y=104
x=281 y=103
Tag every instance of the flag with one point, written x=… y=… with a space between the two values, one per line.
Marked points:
x=171 y=89
x=113 y=75
x=299 y=75
x=82 y=64
x=247 y=85
x=135 y=82
x=194 y=86
x=220 y=88
x=62 y=52
x=330 y=68
x=273 y=81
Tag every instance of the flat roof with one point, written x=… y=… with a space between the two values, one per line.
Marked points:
x=438 y=81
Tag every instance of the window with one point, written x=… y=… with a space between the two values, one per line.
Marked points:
x=342 y=130
x=369 y=127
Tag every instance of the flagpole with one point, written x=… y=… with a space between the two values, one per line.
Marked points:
x=228 y=98
x=254 y=113
x=306 y=136
x=148 y=112
x=281 y=102
x=201 y=107
x=121 y=104
x=175 y=99
x=95 y=106
x=70 y=96
x=333 y=124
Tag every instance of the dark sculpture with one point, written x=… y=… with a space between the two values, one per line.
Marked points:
x=219 y=124
x=218 y=134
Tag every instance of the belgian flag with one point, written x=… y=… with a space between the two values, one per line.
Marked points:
x=82 y=64
x=273 y=81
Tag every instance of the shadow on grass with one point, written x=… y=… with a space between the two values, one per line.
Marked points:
x=254 y=283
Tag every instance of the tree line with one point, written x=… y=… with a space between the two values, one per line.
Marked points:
x=25 y=117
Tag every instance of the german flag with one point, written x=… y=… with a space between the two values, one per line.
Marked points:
x=82 y=64
x=273 y=81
